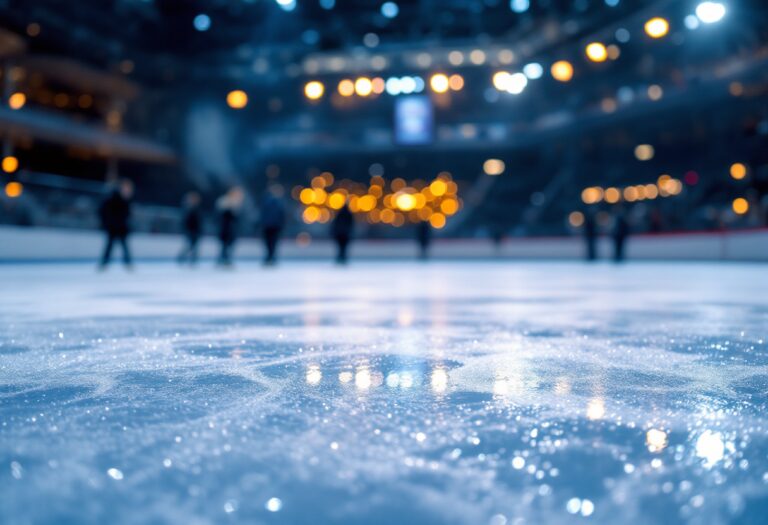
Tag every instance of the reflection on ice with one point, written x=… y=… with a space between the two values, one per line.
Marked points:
x=710 y=447
x=464 y=394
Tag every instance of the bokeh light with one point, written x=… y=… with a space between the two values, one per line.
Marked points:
x=237 y=99
x=657 y=27
x=562 y=71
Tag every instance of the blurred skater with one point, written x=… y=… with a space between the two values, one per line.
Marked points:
x=272 y=222
x=193 y=227
x=115 y=214
x=620 y=234
x=342 y=228
x=424 y=238
x=590 y=235
x=229 y=206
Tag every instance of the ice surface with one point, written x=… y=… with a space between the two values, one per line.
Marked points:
x=478 y=393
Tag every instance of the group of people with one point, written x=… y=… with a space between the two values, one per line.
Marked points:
x=115 y=216
x=619 y=235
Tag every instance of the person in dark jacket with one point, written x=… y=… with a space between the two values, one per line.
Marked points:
x=620 y=234
x=341 y=229
x=272 y=222
x=115 y=214
x=424 y=238
x=193 y=228
x=590 y=235
x=229 y=207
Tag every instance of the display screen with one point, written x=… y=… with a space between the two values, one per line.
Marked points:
x=414 y=120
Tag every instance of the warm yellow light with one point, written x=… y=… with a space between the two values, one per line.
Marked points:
x=651 y=191
x=740 y=206
x=311 y=214
x=644 y=152
x=630 y=194
x=366 y=203
x=320 y=195
x=363 y=86
x=494 y=167
x=597 y=52
x=562 y=71
x=307 y=196
x=439 y=83
x=449 y=206
x=346 y=88
x=17 y=101
x=592 y=195
x=456 y=82
x=612 y=195
x=576 y=219
x=314 y=90
x=13 y=189
x=405 y=201
x=437 y=220
x=237 y=99
x=501 y=80
x=738 y=171
x=438 y=187
x=336 y=200
x=10 y=164
x=656 y=27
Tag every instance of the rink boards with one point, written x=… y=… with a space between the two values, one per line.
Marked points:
x=41 y=244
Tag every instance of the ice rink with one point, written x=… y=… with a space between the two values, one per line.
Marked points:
x=384 y=393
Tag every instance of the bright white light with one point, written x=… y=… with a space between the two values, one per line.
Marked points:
x=202 y=22
x=710 y=12
x=533 y=70
x=389 y=9
x=407 y=85
x=691 y=22
x=273 y=504
x=519 y=6
x=287 y=5
x=393 y=86
x=516 y=83
x=710 y=447
x=420 y=84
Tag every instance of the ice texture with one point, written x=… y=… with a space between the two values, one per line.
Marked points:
x=384 y=393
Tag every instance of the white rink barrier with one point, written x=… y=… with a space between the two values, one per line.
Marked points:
x=21 y=244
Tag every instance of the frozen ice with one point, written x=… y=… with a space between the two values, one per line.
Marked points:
x=477 y=393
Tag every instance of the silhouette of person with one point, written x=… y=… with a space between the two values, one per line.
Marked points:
x=229 y=209
x=193 y=227
x=115 y=214
x=620 y=234
x=590 y=235
x=424 y=238
x=272 y=222
x=342 y=228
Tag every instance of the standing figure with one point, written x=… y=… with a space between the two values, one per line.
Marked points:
x=342 y=228
x=193 y=227
x=115 y=214
x=590 y=235
x=620 y=234
x=272 y=222
x=229 y=209
x=424 y=238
